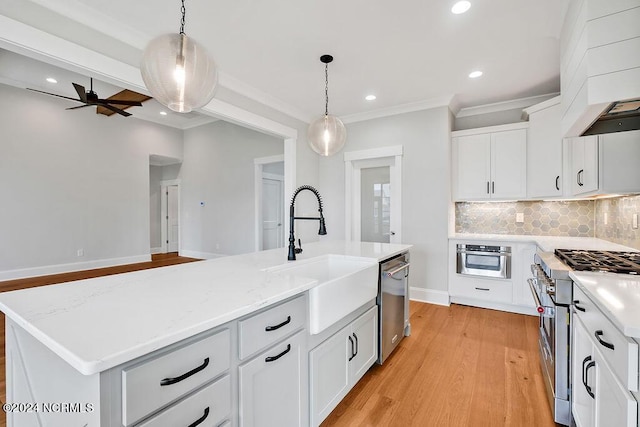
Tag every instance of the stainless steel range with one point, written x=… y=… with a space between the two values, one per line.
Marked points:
x=552 y=290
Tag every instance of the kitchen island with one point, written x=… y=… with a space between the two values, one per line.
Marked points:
x=81 y=342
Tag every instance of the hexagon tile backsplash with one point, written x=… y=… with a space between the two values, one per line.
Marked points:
x=570 y=218
x=576 y=218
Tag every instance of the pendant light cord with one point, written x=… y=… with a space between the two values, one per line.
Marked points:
x=326 y=89
x=183 y=10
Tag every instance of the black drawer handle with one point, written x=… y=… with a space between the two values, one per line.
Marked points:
x=353 y=353
x=586 y=374
x=483 y=289
x=575 y=304
x=598 y=334
x=169 y=381
x=273 y=328
x=278 y=356
x=557 y=179
x=356 y=337
x=201 y=419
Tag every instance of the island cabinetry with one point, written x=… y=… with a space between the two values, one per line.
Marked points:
x=339 y=362
x=490 y=163
x=604 y=366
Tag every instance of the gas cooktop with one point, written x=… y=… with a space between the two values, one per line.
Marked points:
x=607 y=261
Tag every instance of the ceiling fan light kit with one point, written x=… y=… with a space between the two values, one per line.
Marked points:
x=178 y=71
x=327 y=134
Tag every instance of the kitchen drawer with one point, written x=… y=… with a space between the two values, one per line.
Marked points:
x=266 y=328
x=483 y=289
x=189 y=367
x=623 y=358
x=210 y=405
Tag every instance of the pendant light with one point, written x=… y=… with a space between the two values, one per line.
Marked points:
x=178 y=71
x=327 y=133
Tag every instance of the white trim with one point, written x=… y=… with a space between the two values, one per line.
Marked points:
x=76 y=266
x=430 y=296
x=269 y=159
x=540 y=106
x=512 y=308
x=427 y=104
x=163 y=214
x=155 y=251
x=374 y=153
x=504 y=105
x=200 y=255
x=498 y=128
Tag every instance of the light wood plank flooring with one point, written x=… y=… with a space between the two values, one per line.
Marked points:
x=159 y=260
x=461 y=366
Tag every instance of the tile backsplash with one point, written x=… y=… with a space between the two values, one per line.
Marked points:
x=576 y=218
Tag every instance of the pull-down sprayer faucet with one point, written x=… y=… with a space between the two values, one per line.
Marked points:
x=322 y=231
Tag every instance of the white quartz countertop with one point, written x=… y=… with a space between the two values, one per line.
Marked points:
x=617 y=295
x=96 y=324
x=547 y=243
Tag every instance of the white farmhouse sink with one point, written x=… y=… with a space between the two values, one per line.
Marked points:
x=344 y=284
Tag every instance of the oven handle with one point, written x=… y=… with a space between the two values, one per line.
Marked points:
x=468 y=252
x=539 y=306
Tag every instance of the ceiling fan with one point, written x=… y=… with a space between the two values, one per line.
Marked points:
x=90 y=98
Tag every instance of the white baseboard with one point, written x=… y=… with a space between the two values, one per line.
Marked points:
x=200 y=255
x=67 y=268
x=156 y=250
x=512 y=308
x=429 y=295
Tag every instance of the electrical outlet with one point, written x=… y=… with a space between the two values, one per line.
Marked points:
x=519 y=217
x=634 y=221
x=80 y=252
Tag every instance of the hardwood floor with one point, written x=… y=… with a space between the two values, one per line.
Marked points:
x=159 y=260
x=461 y=366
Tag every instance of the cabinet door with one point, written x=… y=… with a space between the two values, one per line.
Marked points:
x=270 y=386
x=365 y=337
x=474 y=166
x=584 y=161
x=544 y=154
x=582 y=375
x=509 y=164
x=615 y=406
x=329 y=374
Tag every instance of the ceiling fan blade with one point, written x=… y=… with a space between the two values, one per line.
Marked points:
x=81 y=92
x=119 y=102
x=79 y=106
x=116 y=110
x=53 y=94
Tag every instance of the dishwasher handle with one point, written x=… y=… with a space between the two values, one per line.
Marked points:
x=390 y=273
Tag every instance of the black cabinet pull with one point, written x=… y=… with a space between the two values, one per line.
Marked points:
x=580 y=172
x=598 y=334
x=586 y=373
x=278 y=356
x=353 y=354
x=557 y=182
x=273 y=328
x=483 y=289
x=356 y=337
x=487 y=187
x=493 y=187
x=575 y=304
x=169 y=381
x=201 y=419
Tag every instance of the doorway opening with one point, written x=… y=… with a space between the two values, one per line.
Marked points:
x=164 y=204
x=269 y=202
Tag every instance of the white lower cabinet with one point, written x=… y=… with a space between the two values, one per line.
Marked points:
x=600 y=397
x=271 y=386
x=338 y=363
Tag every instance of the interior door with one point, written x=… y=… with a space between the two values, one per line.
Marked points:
x=375 y=204
x=272 y=219
x=173 y=228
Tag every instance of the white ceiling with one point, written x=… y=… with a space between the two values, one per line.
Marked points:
x=404 y=52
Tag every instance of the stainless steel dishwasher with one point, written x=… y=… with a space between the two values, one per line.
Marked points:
x=393 y=304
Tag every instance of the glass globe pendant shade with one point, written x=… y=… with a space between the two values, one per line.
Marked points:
x=179 y=72
x=327 y=135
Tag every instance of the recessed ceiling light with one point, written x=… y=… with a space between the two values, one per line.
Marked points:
x=163 y=113
x=370 y=97
x=51 y=80
x=475 y=74
x=460 y=7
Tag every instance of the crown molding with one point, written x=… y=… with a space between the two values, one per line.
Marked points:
x=504 y=105
x=443 y=101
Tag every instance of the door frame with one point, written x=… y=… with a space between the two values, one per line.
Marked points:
x=163 y=213
x=379 y=157
x=258 y=174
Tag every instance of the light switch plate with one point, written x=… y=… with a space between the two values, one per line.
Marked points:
x=634 y=222
x=519 y=217
x=606 y=219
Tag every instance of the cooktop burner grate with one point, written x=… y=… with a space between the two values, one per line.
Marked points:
x=608 y=261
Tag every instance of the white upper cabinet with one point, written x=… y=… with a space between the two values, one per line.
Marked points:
x=490 y=163
x=584 y=164
x=544 y=150
x=599 y=59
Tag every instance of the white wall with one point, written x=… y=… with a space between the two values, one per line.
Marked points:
x=218 y=169
x=73 y=180
x=425 y=136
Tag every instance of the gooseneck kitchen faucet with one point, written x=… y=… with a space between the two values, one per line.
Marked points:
x=322 y=231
